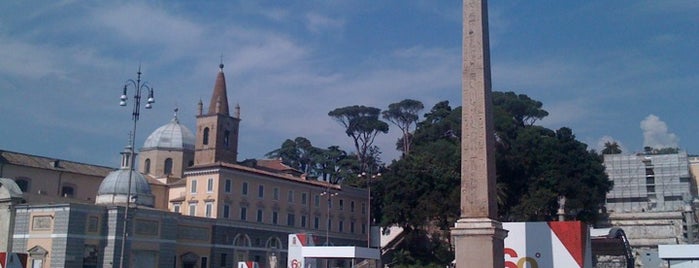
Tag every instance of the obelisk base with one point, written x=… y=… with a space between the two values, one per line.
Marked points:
x=475 y=239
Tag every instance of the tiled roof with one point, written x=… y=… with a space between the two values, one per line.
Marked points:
x=20 y=159
x=277 y=175
x=274 y=164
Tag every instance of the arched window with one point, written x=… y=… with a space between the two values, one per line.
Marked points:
x=146 y=169
x=242 y=240
x=274 y=242
x=168 y=166
x=226 y=135
x=23 y=184
x=206 y=135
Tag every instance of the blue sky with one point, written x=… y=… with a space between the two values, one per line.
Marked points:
x=621 y=70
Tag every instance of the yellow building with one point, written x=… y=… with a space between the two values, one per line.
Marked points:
x=194 y=204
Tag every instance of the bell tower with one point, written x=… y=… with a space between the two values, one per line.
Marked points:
x=217 y=131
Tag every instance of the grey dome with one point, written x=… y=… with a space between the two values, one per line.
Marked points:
x=114 y=189
x=173 y=135
x=9 y=189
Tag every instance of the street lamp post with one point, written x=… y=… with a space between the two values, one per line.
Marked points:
x=368 y=218
x=327 y=222
x=138 y=88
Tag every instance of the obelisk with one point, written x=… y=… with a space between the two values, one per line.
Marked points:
x=477 y=236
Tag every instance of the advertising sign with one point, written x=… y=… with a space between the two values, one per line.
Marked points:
x=547 y=244
x=13 y=260
x=296 y=244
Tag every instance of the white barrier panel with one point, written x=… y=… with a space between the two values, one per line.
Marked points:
x=564 y=244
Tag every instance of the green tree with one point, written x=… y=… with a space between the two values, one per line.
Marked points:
x=362 y=124
x=611 y=147
x=404 y=115
x=535 y=166
x=332 y=164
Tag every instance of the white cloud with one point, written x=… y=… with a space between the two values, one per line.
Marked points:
x=656 y=134
x=317 y=23
x=29 y=60
x=147 y=25
x=565 y=112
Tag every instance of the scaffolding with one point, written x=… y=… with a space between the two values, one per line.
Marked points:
x=648 y=182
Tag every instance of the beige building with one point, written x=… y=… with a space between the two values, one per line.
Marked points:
x=194 y=204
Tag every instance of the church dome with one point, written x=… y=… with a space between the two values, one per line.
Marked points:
x=114 y=189
x=172 y=135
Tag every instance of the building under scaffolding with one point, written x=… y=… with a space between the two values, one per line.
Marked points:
x=648 y=182
x=652 y=200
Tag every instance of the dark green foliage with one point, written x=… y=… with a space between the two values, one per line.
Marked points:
x=611 y=148
x=332 y=164
x=422 y=250
x=667 y=150
x=362 y=124
x=535 y=166
x=404 y=115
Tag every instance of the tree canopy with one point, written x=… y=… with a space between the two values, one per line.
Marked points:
x=332 y=164
x=611 y=147
x=535 y=166
x=421 y=191
x=404 y=115
x=362 y=124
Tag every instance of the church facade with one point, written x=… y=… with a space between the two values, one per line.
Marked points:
x=193 y=204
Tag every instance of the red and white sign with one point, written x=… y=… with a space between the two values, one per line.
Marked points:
x=547 y=244
x=13 y=260
x=248 y=264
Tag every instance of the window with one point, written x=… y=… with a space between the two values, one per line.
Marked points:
x=93 y=224
x=276 y=194
x=304 y=196
x=227 y=186
x=363 y=208
x=290 y=219
x=176 y=208
x=330 y=224
x=330 y=203
x=23 y=184
x=210 y=185
x=290 y=197
x=340 y=226
x=206 y=136
x=342 y=204
x=193 y=188
x=275 y=217
x=224 y=260
x=352 y=227
x=226 y=137
x=226 y=211
x=363 y=228
x=168 y=166
x=209 y=208
x=316 y=222
x=146 y=165
x=245 y=188
x=243 y=213
x=67 y=191
x=316 y=200
x=261 y=191
x=351 y=206
x=303 y=221
x=259 y=215
x=192 y=209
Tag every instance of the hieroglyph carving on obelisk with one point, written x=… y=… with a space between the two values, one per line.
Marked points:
x=477 y=236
